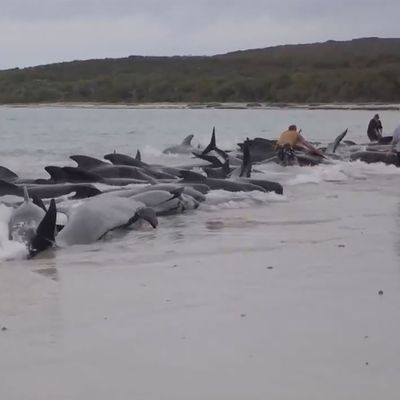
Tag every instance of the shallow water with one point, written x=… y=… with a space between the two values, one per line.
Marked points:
x=253 y=295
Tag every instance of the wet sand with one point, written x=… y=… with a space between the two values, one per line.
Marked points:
x=294 y=300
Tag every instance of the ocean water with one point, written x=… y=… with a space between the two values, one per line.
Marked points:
x=252 y=295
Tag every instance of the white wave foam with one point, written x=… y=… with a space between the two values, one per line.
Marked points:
x=219 y=199
x=151 y=151
x=154 y=155
x=374 y=168
x=9 y=249
x=339 y=171
x=317 y=174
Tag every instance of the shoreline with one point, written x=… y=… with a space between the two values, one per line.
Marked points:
x=212 y=106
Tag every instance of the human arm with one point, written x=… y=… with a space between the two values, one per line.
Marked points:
x=379 y=129
x=309 y=146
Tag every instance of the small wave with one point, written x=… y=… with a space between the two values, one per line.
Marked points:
x=154 y=155
x=9 y=249
x=151 y=151
x=318 y=174
x=220 y=199
x=336 y=171
x=340 y=171
x=374 y=168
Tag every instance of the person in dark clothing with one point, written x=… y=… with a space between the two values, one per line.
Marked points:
x=374 y=130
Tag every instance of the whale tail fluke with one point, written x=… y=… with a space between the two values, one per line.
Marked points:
x=45 y=233
x=212 y=145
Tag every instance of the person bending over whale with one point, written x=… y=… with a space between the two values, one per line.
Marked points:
x=289 y=141
x=374 y=130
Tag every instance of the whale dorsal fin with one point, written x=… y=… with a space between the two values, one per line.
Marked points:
x=188 y=140
x=86 y=162
x=138 y=156
x=7 y=175
x=56 y=173
x=26 y=194
x=338 y=140
x=38 y=201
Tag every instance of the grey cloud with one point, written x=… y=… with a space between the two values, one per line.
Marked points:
x=159 y=9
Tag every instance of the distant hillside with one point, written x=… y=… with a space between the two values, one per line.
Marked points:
x=360 y=70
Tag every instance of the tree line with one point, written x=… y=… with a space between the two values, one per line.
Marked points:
x=362 y=70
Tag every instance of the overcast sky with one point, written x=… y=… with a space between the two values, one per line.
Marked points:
x=36 y=32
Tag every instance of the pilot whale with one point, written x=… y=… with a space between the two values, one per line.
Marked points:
x=32 y=225
x=47 y=191
x=97 y=216
x=184 y=148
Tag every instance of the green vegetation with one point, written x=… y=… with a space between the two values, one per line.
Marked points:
x=361 y=70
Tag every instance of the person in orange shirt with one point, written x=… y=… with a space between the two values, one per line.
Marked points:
x=291 y=140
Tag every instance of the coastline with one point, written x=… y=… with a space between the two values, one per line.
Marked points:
x=213 y=106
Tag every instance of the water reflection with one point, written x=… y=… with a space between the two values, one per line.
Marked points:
x=217 y=224
x=146 y=237
x=177 y=236
x=214 y=225
x=45 y=264
x=49 y=272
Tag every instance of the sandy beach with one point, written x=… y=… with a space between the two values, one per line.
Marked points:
x=256 y=312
